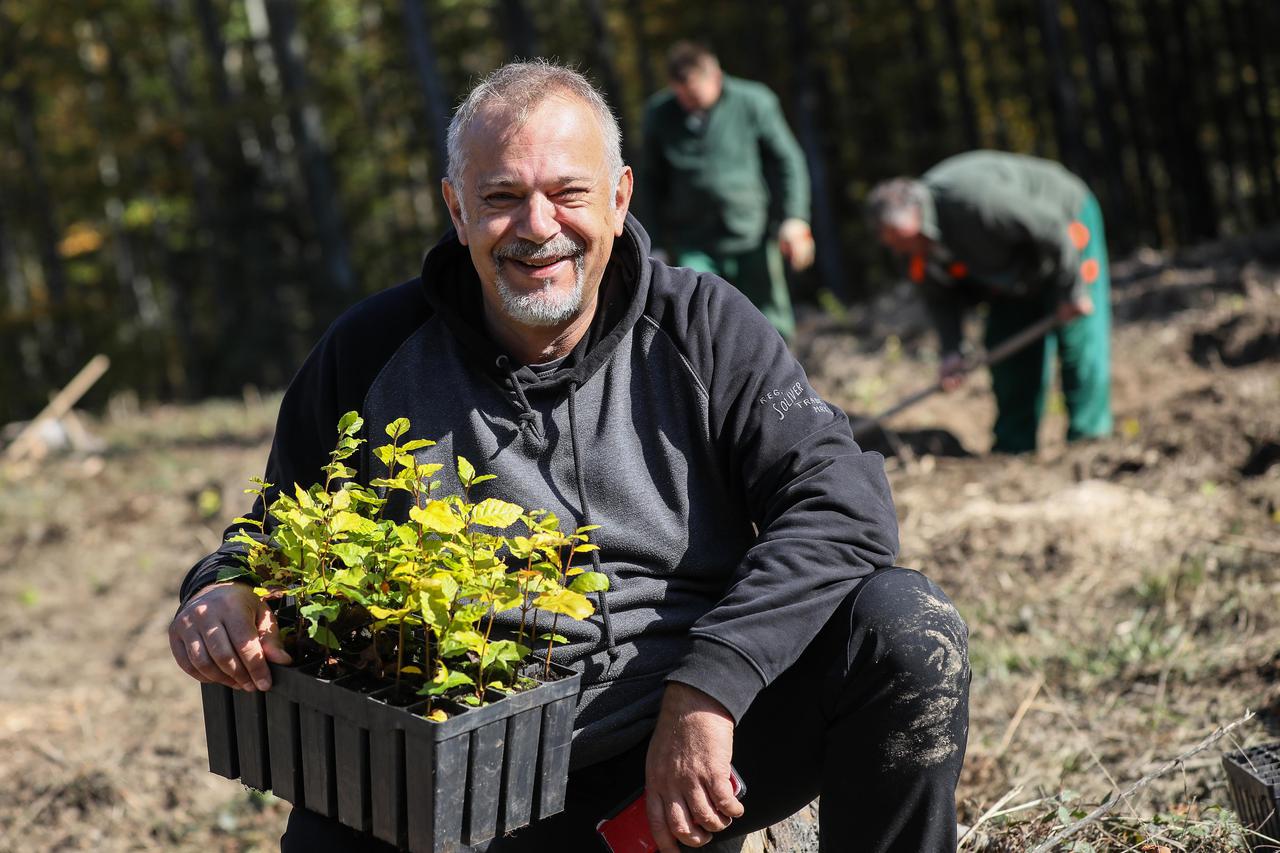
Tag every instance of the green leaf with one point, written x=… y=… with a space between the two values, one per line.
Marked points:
x=565 y=602
x=323 y=636
x=398 y=427
x=492 y=512
x=416 y=444
x=483 y=478
x=350 y=423
x=384 y=454
x=230 y=573
x=507 y=652
x=466 y=471
x=316 y=610
x=457 y=642
x=555 y=638
x=589 y=582
x=349 y=553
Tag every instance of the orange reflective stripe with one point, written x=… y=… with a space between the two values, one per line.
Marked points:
x=958 y=269
x=1079 y=234
x=916 y=268
x=1089 y=271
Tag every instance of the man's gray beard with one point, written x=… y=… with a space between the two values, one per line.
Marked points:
x=545 y=306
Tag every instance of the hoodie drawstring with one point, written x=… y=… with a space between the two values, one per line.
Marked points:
x=610 y=647
x=527 y=415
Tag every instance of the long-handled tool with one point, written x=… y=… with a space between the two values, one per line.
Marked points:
x=1006 y=348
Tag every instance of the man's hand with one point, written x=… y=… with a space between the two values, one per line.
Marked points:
x=688 y=792
x=951 y=373
x=225 y=635
x=1072 y=309
x=795 y=241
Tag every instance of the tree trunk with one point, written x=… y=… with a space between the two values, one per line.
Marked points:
x=1102 y=84
x=602 y=52
x=1254 y=19
x=826 y=233
x=1135 y=121
x=518 y=29
x=435 y=105
x=955 y=53
x=1066 y=106
x=308 y=133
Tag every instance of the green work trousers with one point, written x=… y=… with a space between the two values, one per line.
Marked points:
x=758 y=273
x=1083 y=348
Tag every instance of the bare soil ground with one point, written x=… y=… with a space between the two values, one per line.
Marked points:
x=1121 y=594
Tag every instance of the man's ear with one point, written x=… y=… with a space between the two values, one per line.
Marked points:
x=454 y=203
x=622 y=199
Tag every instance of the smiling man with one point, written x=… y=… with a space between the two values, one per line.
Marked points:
x=754 y=613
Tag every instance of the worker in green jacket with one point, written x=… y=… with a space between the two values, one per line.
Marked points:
x=1025 y=236
x=717 y=152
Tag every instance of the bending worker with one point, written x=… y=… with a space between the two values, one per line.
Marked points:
x=1025 y=236
x=717 y=150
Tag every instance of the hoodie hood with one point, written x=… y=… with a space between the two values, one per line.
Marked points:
x=452 y=287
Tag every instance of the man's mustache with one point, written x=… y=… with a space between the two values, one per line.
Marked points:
x=560 y=246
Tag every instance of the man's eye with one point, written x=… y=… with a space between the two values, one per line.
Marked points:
x=499 y=197
x=571 y=193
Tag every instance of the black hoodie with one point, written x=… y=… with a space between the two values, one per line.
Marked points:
x=681 y=424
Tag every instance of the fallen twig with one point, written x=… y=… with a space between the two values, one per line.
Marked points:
x=987 y=815
x=1016 y=721
x=1100 y=811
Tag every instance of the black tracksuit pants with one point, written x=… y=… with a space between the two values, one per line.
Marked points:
x=873 y=717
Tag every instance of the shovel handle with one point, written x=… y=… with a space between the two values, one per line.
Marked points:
x=1003 y=350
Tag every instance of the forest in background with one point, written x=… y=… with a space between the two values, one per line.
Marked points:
x=197 y=187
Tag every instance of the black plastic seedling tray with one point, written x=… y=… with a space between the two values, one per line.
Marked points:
x=1253 y=775
x=340 y=748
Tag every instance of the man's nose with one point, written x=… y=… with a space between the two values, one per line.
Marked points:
x=539 y=221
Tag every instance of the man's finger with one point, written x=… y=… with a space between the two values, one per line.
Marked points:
x=179 y=651
x=219 y=648
x=704 y=814
x=653 y=808
x=683 y=825
x=207 y=669
x=243 y=635
x=725 y=801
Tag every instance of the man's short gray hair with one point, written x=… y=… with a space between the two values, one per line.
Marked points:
x=519 y=87
x=895 y=200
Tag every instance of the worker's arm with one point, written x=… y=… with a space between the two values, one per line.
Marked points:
x=780 y=149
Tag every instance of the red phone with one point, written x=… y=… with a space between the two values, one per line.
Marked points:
x=626 y=830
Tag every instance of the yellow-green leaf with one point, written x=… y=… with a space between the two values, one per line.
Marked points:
x=437 y=517
x=565 y=602
x=466 y=471
x=398 y=427
x=492 y=512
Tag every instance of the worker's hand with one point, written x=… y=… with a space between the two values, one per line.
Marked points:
x=951 y=373
x=1074 y=308
x=795 y=241
x=225 y=635
x=688 y=794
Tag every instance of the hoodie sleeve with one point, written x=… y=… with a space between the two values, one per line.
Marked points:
x=822 y=506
